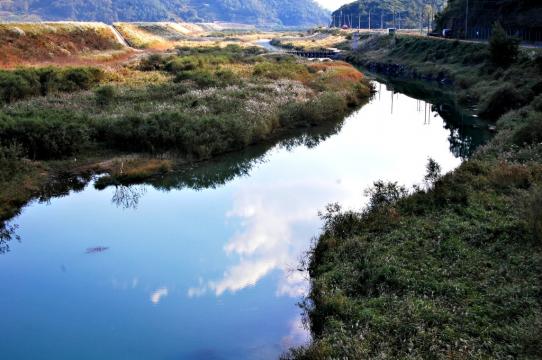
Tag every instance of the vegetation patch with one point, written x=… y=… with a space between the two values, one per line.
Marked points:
x=191 y=104
x=491 y=84
x=452 y=267
x=27 y=43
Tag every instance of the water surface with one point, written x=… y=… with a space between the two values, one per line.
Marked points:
x=202 y=264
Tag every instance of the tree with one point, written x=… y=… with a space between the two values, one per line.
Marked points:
x=433 y=172
x=503 y=49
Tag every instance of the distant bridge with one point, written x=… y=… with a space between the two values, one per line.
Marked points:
x=314 y=54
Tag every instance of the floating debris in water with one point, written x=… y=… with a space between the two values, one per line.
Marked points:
x=95 y=250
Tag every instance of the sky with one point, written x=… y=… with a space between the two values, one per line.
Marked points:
x=333 y=4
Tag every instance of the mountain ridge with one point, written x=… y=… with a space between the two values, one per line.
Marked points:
x=257 y=12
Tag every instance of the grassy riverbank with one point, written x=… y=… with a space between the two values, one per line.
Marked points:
x=451 y=268
x=490 y=88
x=189 y=105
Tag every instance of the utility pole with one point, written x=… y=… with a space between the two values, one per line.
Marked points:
x=369 y=19
x=467 y=20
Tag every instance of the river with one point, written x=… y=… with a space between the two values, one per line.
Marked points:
x=202 y=264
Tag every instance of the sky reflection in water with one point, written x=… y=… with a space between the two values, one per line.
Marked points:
x=199 y=274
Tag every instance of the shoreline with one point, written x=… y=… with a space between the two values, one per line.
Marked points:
x=414 y=275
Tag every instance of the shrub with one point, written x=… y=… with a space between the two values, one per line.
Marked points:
x=327 y=107
x=14 y=87
x=507 y=176
x=198 y=137
x=503 y=49
x=536 y=104
x=24 y=83
x=531 y=132
x=538 y=62
x=502 y=100
x=9 y=160
x=180 y=64
x=74 y=79
x=433 y=172
x=226 y=77
x=282 y=68
x=383 y=194
x=104 y=95
x=153 y=62
x=45 y=138
x=534 y=214
x=204 y=78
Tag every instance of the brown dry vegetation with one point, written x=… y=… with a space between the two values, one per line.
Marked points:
x=162 y=36
x=27 y=43
x=317 y=41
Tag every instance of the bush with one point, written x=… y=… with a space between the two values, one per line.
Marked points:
x=14 y=87
x=104 y=95
x=530 y=133
x=538 y=62
x=383 y=194
x=180 y=64
x=79 y=79
x=153 y=62
x=433 y=172
x=23 y=83
x=203 y=78
x=327 y=107
x=503 y=49
x=534 y=215
x=45 y=138
x=9 y=161
x=198 y=137
x=502 y=100
x=282 y=68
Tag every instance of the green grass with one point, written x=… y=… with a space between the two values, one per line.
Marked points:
x=453 y=270
x=491 y=88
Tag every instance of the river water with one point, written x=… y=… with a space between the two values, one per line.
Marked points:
x=203 y=264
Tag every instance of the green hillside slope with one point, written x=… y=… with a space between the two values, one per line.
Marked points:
x=274 y=12
x=387 y=13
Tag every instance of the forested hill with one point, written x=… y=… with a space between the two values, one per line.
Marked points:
x=514 y=15
x=260 y=12
x=388 y=13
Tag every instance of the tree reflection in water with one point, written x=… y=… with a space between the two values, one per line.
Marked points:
x=467 y=132
x=7 y=234
x=217 y=172
x=128 y=197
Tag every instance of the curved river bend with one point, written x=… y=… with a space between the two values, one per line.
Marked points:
x=202 y=264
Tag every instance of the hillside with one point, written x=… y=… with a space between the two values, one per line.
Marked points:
x=30 y=43
x=261 y=12
x=387 y=13
x=517 y=16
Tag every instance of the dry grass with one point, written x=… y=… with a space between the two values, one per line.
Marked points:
x=33 y=43
x=335 y=75
x=162 y=36
x=312 y=42
x=131 y=166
